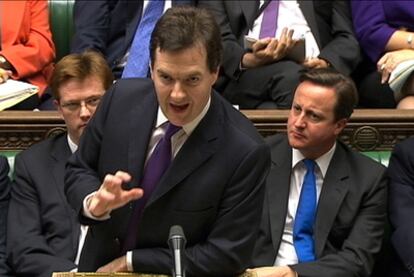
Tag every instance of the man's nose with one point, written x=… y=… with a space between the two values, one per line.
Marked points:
x=300 y=120
x=177 y=91
x=84 y=111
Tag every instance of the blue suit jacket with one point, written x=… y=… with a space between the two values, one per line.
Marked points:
x=213 y=188
x=108 y=26
x=401 y=208
x=43 y=231
x=4 y=203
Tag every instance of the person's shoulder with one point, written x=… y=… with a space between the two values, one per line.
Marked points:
x=131 y=89
x=3 y=162
x=4 y=166
x=133 y=83
x=238 y=123
x=405 y=145
x=360 y=162
x=4 y=178
x=276 y=139
x=42 y=148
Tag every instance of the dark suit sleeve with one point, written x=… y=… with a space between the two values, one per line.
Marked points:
x=27 y=246
x=355 y=256
x=342 y=51
x=233 y=51
x=230 y=241
x=92 y=24
x=4 y=203
x=401 y=208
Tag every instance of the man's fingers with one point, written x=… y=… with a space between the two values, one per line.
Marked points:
x=111 y=195
x=132 y=194
x=260 y=44
x=114 y=182
x=125 y=177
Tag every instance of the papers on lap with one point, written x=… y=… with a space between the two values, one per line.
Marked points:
x=13 y=92
x=399 y=76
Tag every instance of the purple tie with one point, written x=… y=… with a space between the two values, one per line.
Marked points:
x=157 y=164
x=269 y=22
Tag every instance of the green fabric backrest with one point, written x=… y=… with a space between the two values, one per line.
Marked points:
x=61 y=24
x=10 y=156
x=382 y=157
x=379 y=156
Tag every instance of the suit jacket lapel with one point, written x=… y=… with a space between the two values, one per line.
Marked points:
x=250 y=9
x=308 y=11
x=278 y=186
x=201 y=144
x=59 y=155
x=334 y=189
x=133 y=25
x=141 y=123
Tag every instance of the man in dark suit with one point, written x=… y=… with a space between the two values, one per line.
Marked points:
x=4 y=204
x=346 y=226
x=43 y=231
x=214 y=185
x=109 y=26
x=401 y=208
x=267 y=75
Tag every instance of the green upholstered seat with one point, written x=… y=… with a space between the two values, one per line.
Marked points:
x=382 y=157
x=61 y=24
x=10 y=154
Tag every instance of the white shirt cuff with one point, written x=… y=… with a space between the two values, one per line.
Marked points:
x=88 y=214
x=129 y=261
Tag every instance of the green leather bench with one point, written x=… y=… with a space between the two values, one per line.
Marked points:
x=61 y=24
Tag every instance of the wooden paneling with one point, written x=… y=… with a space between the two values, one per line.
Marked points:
x=368 y=130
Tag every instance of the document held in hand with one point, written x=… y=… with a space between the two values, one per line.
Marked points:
x=13 y=92
x=399 y=76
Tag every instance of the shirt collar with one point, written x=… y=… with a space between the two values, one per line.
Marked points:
x=189 y=127
x=322 y=162
x=73 y=146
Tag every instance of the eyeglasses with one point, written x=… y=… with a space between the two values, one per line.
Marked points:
x=90 y=103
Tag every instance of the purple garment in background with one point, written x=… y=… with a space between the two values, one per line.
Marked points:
x=376 y=21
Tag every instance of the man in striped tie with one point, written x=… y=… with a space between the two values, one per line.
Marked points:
x=116 y=29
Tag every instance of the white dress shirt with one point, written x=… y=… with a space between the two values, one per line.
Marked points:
x=291 y=17
x=287 y=253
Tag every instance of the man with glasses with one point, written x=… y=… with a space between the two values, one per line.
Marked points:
x=43 y=232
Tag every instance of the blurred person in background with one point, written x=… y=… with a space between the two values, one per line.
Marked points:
x=43 y=233
x=27 y=50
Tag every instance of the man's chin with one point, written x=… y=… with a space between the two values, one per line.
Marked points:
x=295 y=143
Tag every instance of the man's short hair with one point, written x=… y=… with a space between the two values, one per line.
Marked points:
x=79 y=67
x=183 y=27
x=346 y=91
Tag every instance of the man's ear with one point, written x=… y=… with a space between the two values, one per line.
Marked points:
x=340 y=125
x=150 y=69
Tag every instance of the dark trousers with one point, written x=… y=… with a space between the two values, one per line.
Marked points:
x=266 y=87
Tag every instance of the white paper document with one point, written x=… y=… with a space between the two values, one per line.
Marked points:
x=13 y=92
